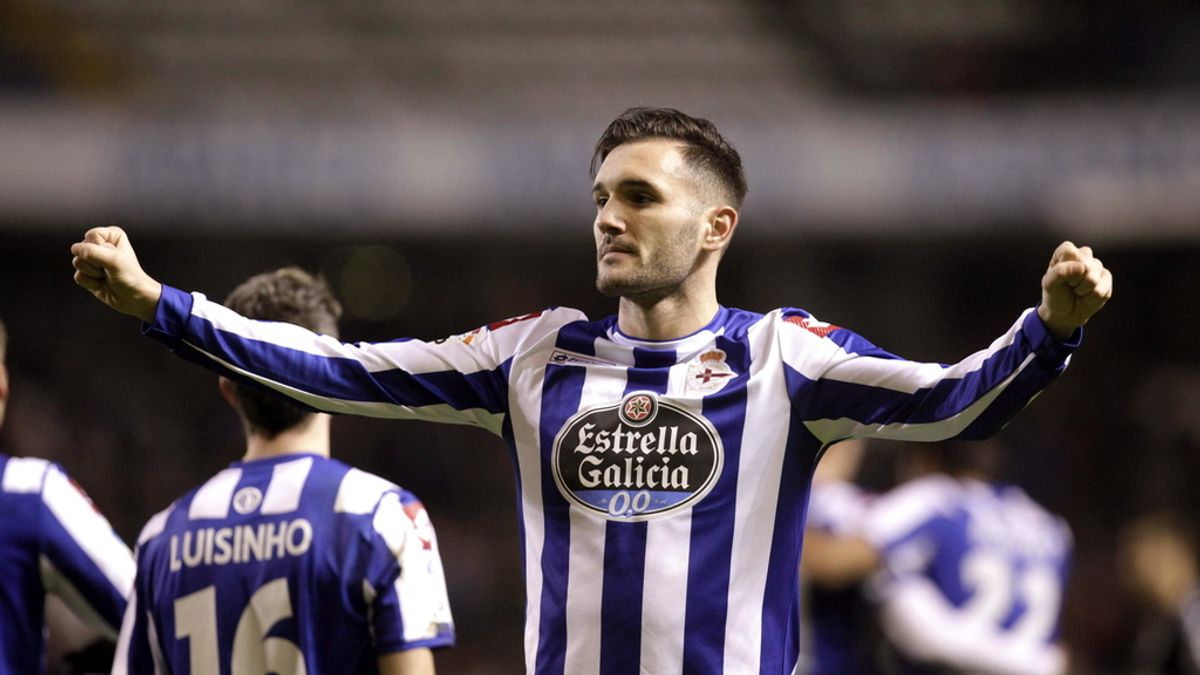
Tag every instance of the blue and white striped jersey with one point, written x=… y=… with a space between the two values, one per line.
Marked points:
x=662 y=483
x=974 y=576
x=52 y=539
x=293 y=564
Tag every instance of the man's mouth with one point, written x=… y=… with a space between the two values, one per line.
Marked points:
x=616 y=248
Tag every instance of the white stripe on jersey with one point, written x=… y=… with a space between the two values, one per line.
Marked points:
x=668 y=550
x=212 y=499
x=423 y=605
x=437 y=412
x=24 y=474
x=286 y=486
x=759 y=470
x=894 y=374
x=528 y=372
x=839 y=429
x=359 y=492
x=902 y=510
x=120 y=664
x=160 y=663
x=585 y=582
x=668 y=546
x=89 y=529
x=388 y=521
x=155 y=526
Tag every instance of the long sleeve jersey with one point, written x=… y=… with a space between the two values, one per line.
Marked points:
x=53 y=540
x=662 y=484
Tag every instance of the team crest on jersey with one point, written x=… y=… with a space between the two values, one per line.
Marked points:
x=709 y=372
x=636 y=459
x=247 y=500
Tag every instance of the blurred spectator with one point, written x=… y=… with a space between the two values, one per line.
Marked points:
x=1158 y=556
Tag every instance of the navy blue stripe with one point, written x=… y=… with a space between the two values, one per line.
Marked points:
x=580 y=336
x=346 y=378
x=625 y=548
x=831 y=399
x=562 y=389
x=711 y=548
x=75 y=564
x=781 y=601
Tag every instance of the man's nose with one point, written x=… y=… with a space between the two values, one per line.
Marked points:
x=608 y=221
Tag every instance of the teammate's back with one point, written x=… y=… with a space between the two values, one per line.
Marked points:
x=976 y=573
x=295 y=564
x=286 y=562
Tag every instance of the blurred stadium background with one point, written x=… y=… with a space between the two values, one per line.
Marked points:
x=912 y=163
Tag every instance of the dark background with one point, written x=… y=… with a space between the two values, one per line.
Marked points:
x=912 y=165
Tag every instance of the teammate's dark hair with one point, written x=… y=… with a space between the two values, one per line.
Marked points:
x=960 y=458
x=706 y=149
x=289 y=295
x=3 y=342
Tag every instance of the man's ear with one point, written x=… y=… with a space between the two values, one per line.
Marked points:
x=229 y=392
x=3 y=383
x=721 y=222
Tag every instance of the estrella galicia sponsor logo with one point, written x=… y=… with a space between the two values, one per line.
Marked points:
x=636 y=459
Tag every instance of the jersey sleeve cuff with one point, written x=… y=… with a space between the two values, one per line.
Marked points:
x=1051 y=350
x=436 y=642
x=170 y=317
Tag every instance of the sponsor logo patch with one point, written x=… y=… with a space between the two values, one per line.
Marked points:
x=565 y=358
x=636 y=459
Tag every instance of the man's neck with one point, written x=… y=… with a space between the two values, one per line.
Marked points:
x=309 y=437
x=682 y=312
x=665 y=319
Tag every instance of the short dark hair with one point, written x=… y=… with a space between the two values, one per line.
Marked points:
x=3 y=342
x=706 y=149
x=289 y=295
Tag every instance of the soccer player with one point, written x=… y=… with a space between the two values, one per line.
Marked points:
x=662 y=455
x=974 y=570
x=287 y=561
x=1160 y=562
x=52 y=539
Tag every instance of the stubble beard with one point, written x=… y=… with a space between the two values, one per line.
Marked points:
x=660 y=276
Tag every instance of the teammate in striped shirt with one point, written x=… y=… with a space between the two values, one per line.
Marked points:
x=663 y=455
x=287 y=561
x=52 y=539
x=974 y=570
x=838 y=621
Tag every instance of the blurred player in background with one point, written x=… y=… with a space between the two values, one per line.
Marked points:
x=663 y=455
x=974 y=570
x=287 y=562
x=1158 y=556
x=52 y=540
x=839 y=620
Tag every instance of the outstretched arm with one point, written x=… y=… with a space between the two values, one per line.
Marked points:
x=1076 y=285
x=106 y=265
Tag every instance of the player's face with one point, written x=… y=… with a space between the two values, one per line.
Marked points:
x=648 y=220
